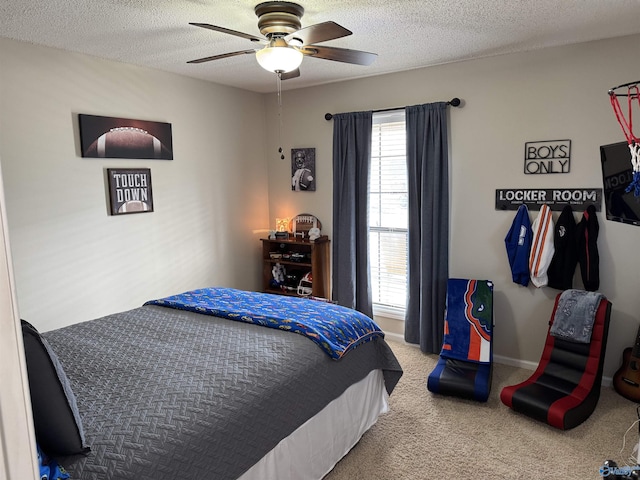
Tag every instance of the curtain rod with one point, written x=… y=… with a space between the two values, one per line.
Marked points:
x=454 y=102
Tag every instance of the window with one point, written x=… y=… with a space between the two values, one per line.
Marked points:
x=388 y=214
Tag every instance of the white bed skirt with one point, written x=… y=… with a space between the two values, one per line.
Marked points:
x=312 y=450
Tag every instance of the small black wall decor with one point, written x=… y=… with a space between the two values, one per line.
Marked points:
x=303 y=169
x=547 y=156
x=112 y=137
x=129 y=190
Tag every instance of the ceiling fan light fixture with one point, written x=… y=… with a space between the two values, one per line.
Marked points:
x=279 y=59
x=287 y=43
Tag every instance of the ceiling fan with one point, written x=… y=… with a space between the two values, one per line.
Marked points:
x=286 y=43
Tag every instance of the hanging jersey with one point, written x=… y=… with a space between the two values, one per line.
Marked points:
x=588 y=255
x=565 y=258
x=518 y=243
x=541 y=247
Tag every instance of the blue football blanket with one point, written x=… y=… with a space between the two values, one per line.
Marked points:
x=336 y=329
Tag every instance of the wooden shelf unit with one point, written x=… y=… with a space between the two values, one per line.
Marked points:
x=316 y=261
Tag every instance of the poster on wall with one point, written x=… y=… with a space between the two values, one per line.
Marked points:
x=303 y=169
x=129 y=190
x=112 y=137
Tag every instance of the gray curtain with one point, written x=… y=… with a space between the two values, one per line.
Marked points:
x=427 y=162
x=351 y=159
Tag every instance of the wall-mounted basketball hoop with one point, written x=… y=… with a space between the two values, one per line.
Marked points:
x=630 y=91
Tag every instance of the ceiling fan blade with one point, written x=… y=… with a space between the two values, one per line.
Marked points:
x=223 y=55
x=292 y=74
x=340 y=54
x=320 y=32
x=248 y=36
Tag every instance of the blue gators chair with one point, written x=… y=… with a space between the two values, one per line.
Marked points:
x=465 y=365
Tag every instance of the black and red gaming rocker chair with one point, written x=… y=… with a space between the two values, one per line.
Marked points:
x=565 y=388
x=465 y=366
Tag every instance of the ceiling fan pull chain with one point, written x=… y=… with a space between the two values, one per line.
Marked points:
x=279 y=88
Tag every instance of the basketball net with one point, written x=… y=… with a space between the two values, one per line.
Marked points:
x=633 y=93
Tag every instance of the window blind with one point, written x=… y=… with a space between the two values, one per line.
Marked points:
x=388 y=212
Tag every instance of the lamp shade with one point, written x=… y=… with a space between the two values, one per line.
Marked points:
x=279 y=59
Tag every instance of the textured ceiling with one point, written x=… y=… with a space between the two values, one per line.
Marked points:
x=406 y=34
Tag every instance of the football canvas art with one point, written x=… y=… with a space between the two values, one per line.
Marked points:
x=111 y=137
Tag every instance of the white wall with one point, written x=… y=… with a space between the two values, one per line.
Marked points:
x=557 y=93
x=75 y=262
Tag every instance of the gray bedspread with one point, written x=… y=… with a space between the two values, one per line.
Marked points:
x=167 y=394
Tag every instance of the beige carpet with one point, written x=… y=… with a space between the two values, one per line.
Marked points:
x=425 y=436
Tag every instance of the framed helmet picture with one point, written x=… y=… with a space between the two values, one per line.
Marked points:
x=303 y=169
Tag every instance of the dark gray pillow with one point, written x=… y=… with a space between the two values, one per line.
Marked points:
x=55 y=413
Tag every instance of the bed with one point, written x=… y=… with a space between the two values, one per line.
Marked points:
x=165 y=392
